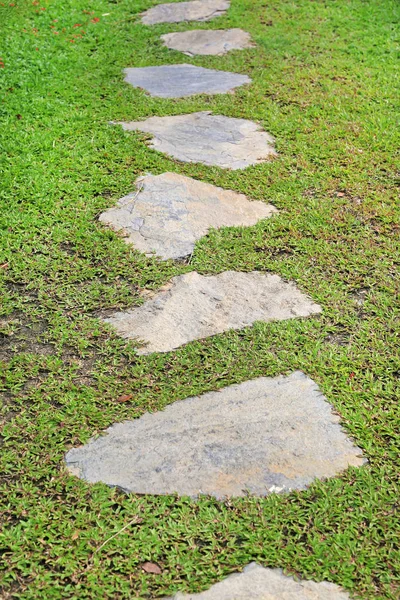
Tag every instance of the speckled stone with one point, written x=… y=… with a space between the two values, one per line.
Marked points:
x=258 y=583
x=261 y=436
x=176 y=12
x=194 y=306
x=207 y=41
x=209 y=139
x=168 y=213
x=178 y=81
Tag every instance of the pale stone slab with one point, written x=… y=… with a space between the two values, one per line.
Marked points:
x=198 y=10
x=194 y=306
x=209 y=139
x=178 y=81
x=258 y=583
x=261 y=436
x=168 y=213
x=208 y=42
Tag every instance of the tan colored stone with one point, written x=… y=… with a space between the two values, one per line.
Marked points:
x=207 y=41
x=177 y=12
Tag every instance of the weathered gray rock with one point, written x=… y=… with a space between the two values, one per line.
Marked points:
x=258 y=583
x=208 y=41
x=177 y=81
x=262 y=436
x=198 y=10
x=209 y=139
x=168 y=213
x=194 y=306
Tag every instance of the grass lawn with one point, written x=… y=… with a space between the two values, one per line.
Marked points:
x=326 y=85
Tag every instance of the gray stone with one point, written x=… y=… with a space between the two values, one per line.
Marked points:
x=194 y=306
x=258 y=583
x=198 y=10
x=168 y=213
x=209 y=139
x=177 y=81
x=208 y=41
x=261 y=436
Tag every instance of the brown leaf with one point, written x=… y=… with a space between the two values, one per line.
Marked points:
x=125 y=398
x=150 y=567
x=75 y=535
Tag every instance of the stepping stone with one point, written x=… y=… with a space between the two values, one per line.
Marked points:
x=177 y=81
x=194 y=306
x=198 y=10
x=208 y=42
x=261 y=436
x=258 y=583
x=168 y=213
x=209 y=139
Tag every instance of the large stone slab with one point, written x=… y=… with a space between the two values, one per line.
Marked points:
x=258 y=583
x=209 y=139
x=168 y=213
x=198 y=10
x=207 y=41
x=261 y=436
x=194 y=306
x=178 y=81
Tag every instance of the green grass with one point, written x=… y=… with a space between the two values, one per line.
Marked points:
x=325 y=84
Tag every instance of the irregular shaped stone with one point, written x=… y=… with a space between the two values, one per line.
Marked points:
x=198 y=10
x=169 y=213
x=208 y=41
x=258 y=583
x=194 y=306
x=209 y=139
x=178 y=81
x=261 y=436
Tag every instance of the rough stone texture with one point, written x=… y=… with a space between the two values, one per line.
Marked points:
x=198 y=10
x=259 y=583
x=207 y=41
x=209 y=139
x=194 y=306
x=265 y=435
x=177 y=81
x=169 y=213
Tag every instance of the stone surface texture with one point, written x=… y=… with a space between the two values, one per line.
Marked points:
x=168 y=213
x=198 y=10
x=208 y=41
x=209 y=139
x=178 y=81
x=194 y=306
x=261 y=436
x=258 y=583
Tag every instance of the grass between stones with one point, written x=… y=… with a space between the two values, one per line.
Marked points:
x=324 y=84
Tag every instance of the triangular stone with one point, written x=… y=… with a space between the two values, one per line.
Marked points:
x=177 y=81
x=176 y=12
x=259 y=583
x=209 y=139
x=168 y=213
x=261 y=436
x=207 y=41
x=194 y=306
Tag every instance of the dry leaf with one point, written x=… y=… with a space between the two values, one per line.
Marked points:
x=75 y=535
x=125 y=398
x=150 y=567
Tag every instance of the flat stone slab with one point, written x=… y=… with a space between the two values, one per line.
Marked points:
x=194 y=306
x=258 y=583
x=178 y=81
x=207 y=41
x=261 y=436
x=209 y=139
x=198 y=10
x=168 y=213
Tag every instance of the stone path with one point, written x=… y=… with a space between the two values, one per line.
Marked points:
x=257 y=583
x=261 y=436
x=168 y=213
x=194 y=306
x=197 y=10
x=216 y=140
x=177 y=81
x=207 y=41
